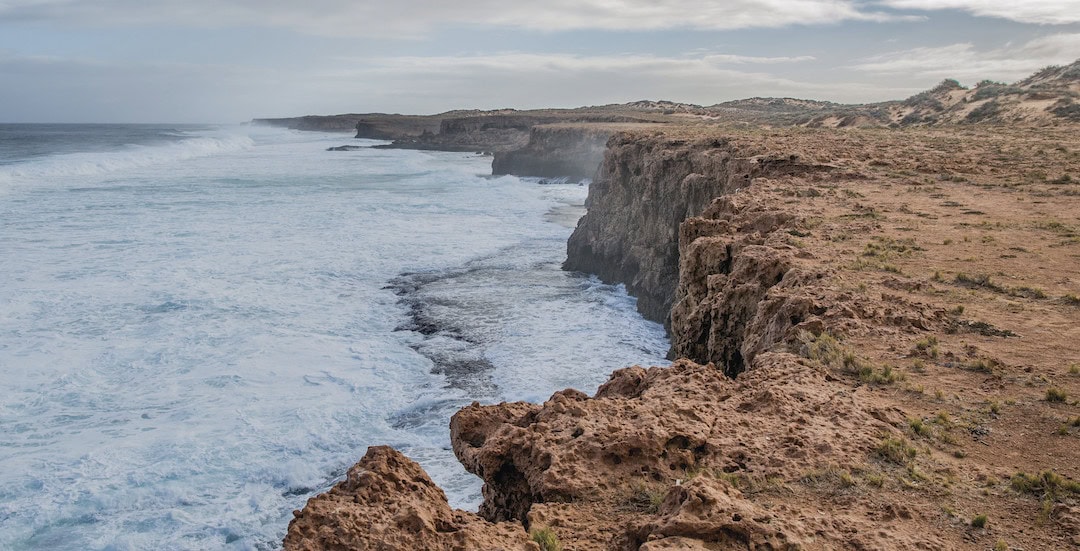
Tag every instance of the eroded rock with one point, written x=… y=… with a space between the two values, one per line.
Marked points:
x=388 y=502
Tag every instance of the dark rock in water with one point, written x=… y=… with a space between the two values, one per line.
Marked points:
x=345 y=148
x=456 y=350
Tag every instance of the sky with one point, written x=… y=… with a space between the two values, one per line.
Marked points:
x=225 y=61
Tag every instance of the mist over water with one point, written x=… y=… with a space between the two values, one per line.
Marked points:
x=202 y=327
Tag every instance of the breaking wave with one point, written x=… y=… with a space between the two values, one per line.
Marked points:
x=130 y=157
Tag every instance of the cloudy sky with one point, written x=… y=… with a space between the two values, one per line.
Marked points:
x=232 y=60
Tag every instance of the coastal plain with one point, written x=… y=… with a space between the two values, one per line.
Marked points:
x=875 y=330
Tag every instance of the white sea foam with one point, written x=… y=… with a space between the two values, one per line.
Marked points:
x=192 y=347
x=69 y=165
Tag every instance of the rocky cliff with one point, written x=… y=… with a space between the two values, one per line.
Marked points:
x=846 y=306
x=646 y=186
x=571 y=151
x=509 y=130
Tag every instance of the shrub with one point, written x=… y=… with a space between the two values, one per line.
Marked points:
x=979 y=521
x=983 y=112
x=1054 y=394
x=920 y=428
x=896 y=450
x=989 y=89
x=545 y=537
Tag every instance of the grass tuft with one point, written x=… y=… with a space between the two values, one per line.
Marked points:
x=979 y=521
x=645 y=499
x=896 y=450
x=833 y=479
x=1047 y=484
x=927 y=347
x=545 y=537
x=920 y=428
x=828 y=351
x=1054 y=394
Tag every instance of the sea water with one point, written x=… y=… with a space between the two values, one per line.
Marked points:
x=202 y=327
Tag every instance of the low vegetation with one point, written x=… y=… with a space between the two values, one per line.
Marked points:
x=829 y=352
x=983 y=281
x=896 y=450
x=979 y=521
x=1054 y=394
x=545 y=537
x=645 y=499
x=1047 y=485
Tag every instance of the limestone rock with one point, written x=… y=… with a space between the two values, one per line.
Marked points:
x=388 y=502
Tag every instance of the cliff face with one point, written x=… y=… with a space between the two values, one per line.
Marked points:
x=644 y=190
x=318 y=123
x=395 y=127
x=478 y=132
x=743 y=291
x=508 y=130
x=572 y=151
x=376 y=126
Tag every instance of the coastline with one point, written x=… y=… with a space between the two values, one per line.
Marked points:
x=863 y=354
x=787 y=393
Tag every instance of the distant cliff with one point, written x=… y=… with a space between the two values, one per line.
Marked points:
x=375 y=126
x=508 y=130
x=318 y=123
x=572 y=151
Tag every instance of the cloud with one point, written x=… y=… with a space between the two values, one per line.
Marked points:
x=1046 y=12
x=746 y=60
x=50 y=89
x=965 y=61
x=413 y=18
x=526 y=80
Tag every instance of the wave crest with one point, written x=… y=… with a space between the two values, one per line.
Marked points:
x=131 y=157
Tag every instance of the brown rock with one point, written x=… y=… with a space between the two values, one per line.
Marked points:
x=387 y=502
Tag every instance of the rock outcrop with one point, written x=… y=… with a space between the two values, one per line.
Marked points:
x=388 y=502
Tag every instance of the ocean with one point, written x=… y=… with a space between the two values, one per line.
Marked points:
x=203 y=326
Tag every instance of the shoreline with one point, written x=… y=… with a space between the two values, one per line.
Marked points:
x=875 y=342
x=783 y=254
